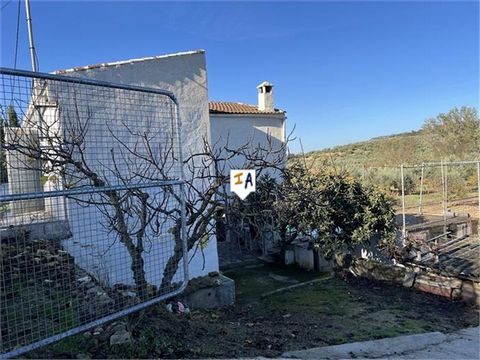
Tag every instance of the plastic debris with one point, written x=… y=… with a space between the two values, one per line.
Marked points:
x=177 y=307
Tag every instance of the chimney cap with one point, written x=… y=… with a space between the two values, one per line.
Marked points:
x=263 y=84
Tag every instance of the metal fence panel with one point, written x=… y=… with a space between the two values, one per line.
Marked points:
x=92 y=211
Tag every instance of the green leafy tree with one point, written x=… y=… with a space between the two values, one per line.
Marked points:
x=454 y=134
x=12 y=117
x=11 y=120
x=332 y=208
x=335 y=209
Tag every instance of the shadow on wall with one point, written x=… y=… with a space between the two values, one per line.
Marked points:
x=239 y=242
x=256 y=139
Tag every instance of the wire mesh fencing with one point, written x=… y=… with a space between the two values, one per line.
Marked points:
x=440 y=195
x=445 y=196
x=92 y=214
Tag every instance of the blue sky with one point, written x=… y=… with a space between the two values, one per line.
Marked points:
x=343 y=71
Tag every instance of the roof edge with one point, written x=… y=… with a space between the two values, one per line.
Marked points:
x=254 y=109
x=127 y=62
x=278 y=113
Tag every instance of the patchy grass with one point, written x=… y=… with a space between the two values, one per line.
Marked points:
x=252 y=282
x=329 y=312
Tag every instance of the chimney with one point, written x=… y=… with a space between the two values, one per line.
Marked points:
x=265 y=97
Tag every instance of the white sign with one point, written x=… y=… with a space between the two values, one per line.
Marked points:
x=242 y=182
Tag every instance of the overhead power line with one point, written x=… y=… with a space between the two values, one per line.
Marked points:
x=4 y=6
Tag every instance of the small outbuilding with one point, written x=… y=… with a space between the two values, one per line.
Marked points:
x=234 y=124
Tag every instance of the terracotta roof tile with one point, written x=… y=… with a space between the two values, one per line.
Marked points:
x=222 y=107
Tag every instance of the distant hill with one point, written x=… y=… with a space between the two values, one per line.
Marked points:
x=451 y=136
x=388 y=150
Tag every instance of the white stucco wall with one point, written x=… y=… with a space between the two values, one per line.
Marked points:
x=185 y=75
x=236 y=130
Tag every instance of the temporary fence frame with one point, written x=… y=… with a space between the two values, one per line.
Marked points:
x=444 y=172
x=178 y=181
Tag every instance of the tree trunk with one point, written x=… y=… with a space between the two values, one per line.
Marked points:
x=171 y=267
x=172 y=263
x=139 y=274
x=135 y=252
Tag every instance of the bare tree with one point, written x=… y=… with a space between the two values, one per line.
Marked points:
x=206 y=187
x=137 y=215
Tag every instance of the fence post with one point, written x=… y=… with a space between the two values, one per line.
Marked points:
x=404 y=227
x=420 y=206
x=444 y=205
x=478 y=190
x=446 y=187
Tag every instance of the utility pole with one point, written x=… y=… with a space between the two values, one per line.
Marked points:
x=30 y=36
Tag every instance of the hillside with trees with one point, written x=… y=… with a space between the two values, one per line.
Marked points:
x=451 y=136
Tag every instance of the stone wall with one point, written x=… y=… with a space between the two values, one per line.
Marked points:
x=418 y=279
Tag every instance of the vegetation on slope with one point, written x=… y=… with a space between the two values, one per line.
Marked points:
x=451 y=136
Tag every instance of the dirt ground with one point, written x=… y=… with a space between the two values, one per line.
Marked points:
x=331 y=311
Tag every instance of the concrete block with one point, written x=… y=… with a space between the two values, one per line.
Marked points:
x=471 y=292
x=38 y=229
x=456 y=294
x=409 y=278
x=215 y=296
x=289 y=257
x=324 y=265
x=304 y=258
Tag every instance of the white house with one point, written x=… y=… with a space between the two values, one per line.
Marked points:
x=234 y=124
x=185 y=75
x=57 y=104
x=222 y=123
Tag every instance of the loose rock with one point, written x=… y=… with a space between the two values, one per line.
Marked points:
x=121 y=337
